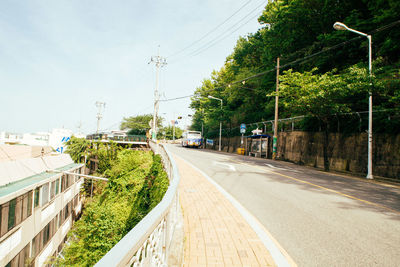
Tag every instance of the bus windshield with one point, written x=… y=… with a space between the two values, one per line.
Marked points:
x=194 y=134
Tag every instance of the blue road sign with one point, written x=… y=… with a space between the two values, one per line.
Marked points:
x=242 y=128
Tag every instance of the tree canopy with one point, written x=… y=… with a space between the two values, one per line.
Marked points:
x=301 y=33
x=139 y=124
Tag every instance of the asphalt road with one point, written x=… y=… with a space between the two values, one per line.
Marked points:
x=320 y=219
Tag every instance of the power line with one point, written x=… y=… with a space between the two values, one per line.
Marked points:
x=208 y=33
x=297 y=61
x=227 y=33
x=176 y=98
x=220 y=38
x=317 y=53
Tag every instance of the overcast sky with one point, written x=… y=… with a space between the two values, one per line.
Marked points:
x=57 y=58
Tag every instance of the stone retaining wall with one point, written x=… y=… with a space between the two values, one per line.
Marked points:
x=345 y=152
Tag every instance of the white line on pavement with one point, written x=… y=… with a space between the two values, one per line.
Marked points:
x=230 y=166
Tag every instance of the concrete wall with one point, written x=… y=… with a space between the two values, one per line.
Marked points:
x=346 y=152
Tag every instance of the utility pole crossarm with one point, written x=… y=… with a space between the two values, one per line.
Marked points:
x=100 y=108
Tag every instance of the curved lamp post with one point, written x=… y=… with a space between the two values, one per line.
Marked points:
x=342 y=27
x=220 y=122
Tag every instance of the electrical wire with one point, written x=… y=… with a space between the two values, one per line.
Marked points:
x=176 y=98
x=219 y=38
x=227 y=34
x=211 y=31
x=297 y=61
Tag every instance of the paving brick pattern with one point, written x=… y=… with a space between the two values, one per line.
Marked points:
x=216 y=234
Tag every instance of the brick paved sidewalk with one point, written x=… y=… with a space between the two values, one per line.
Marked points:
x=216 y=234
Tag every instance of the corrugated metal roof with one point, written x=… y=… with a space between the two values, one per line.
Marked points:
x=15 y=170
x=34 y=179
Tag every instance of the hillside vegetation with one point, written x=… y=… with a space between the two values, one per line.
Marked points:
x=137 y=183
x=323 y=72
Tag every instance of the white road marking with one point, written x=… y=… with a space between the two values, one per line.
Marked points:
x=230 y=166
x=278 y=168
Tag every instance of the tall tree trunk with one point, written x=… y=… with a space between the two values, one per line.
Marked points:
x=325 y=146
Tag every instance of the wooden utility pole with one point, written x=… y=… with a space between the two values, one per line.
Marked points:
x=275 y=138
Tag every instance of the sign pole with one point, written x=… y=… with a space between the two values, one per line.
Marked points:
x=275 y=138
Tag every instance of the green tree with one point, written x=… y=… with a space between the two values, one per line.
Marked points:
x=293 y=30
x=323 y=96
x=139 y=124
x=78 y=148
x=169 y=132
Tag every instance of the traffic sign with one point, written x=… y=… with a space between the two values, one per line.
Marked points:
x=242 y=128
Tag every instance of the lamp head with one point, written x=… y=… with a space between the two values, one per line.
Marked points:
x=340 y=26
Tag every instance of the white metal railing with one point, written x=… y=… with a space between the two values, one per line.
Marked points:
x=149 y=242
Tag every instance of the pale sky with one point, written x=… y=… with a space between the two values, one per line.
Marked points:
x=57 y=58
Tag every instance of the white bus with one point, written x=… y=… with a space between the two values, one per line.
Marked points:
x=191 y=139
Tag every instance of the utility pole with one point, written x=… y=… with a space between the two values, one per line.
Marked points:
x=275 y=138
x=173 y=128
x=160 y=62
x=100 y=108
x=80 y=128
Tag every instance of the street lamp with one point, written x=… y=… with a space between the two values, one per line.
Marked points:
x=220 y=122
x=342 y=27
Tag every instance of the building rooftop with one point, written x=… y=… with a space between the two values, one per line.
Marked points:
x=21 y=162
x=25 y=182
x=16 y=152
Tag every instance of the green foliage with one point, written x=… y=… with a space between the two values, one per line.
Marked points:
x=105 y=153
x=322 y=95
x=294 y=30
x=139 y=125
x=169 y=130
x=77 y=148
x=137 y=183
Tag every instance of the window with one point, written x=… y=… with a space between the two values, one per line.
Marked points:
x=21 y=258
x=57 y=186
x=63 y=182
x=67 y=210
x=35 y=245
x=29 y=203
x=4 y=218
x=45 y=194
x=11 y=213
x=24 y=206
x=37 y=194
x=60 y=220
x=56 y=223
x=2 y=221
x=70 y=180
x=52 y=190
x=18 y=210
x=46 y=234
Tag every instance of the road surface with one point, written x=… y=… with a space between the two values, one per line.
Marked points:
x=320 y=219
